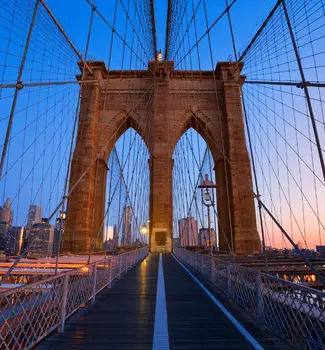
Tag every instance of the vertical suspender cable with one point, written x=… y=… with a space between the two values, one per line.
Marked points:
x=153 y=25
x=301 y=70
x=19 y=76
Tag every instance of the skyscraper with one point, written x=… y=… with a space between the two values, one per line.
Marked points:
x=40 y=239
x=115 y=236
x=58 y=232
x=108 y=233
x=188 y=232
x=6 y=214
x=127 y=226
x=14 y=240
x=4 y=227
x=34 y=215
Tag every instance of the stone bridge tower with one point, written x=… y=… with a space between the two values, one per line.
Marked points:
x=209 y=102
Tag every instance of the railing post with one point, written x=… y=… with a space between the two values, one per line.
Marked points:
x=259 y=298
x=228 y=267
x=64 y=302
x=212 y=269
x=110 y=273
x=120 y=265
x=94 y=282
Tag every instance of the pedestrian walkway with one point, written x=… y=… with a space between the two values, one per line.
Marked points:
x=127 y=316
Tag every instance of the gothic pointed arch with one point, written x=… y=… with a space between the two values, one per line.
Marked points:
x=112 y=131
x=198 y=121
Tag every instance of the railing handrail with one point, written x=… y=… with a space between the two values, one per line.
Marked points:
x=31 y=312
x=278 y=305
x=61 y=274
x=263 y=274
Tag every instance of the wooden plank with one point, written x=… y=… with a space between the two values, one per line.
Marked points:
x=194 y=321
x=121 y=318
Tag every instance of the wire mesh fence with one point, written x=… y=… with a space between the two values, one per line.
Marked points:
x=293 y=312
x=31 y=312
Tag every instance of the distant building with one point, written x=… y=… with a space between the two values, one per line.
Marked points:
x=6 y=214
x=34 y=215
x=111 y=243
x=188 y=232
x=4 y=227
x=127 y=226
x=58 y=232
x=206 y=240
x=108 y=233
x=320 y=249
x=41 y=238
x=14 y=240
x=115 y=236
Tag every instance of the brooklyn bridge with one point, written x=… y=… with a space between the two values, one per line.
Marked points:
x=162 y=174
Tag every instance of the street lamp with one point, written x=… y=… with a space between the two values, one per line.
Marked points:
x=207 y=198
x=144 y=229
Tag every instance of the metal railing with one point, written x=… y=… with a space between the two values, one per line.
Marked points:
x=291 y=311
x=30 y=312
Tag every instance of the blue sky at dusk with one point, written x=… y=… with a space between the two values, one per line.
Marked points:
x=283 y=141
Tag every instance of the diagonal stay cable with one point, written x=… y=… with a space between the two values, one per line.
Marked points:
x=206 y=32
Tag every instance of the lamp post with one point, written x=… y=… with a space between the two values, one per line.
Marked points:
x=144 y=231
x=207 y=198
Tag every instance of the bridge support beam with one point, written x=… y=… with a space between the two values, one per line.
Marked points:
x=88 y=173
x=234 y=178
x=161 y=164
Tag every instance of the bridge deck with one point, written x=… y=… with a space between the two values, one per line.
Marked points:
x=123 y=317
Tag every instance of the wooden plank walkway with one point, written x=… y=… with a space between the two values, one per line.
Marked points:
x=194 y=320
x=123 y=317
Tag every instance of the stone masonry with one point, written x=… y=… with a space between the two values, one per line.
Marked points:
x=172 y=102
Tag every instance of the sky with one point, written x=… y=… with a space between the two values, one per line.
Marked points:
x=74 y=17
x=43 y=122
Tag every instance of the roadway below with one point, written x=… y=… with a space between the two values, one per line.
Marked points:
x=159 y=305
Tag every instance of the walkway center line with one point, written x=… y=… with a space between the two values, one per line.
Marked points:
x=256 y=345
x=160 y=333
